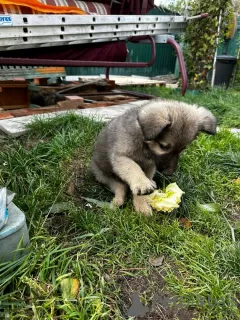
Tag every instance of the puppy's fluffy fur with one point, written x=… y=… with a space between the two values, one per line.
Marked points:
x=144 y=139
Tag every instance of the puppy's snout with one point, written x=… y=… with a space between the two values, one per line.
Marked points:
x=167 y=166
x=168 y=171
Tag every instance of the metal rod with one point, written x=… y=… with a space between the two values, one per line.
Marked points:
x=199 y=16
x=215 y=55
x=182 y=66
x=107 y=73
x=236 y=67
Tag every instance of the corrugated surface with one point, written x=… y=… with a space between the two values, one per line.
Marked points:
x=164 y=64
x=230 y=47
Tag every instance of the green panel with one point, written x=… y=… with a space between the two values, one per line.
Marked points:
x=230 y=47
x=157 y=11
x=164 y=63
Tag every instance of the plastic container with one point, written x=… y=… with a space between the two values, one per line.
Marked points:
x=14 y=235
x=224 y=69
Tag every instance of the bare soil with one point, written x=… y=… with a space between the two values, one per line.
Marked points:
x=145 y=298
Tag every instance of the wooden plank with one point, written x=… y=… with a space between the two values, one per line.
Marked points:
x=114 y=97
x=7 y=73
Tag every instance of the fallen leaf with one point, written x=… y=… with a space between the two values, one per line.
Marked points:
x=107 y=278
x=70 y=288
x=58 y=207
x=237 y=181
x=210 y=207
x=71 y=189
x=156 y=262
x=187 y=223
x=100 y=204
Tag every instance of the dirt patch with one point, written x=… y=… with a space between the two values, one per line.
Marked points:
x=78 y=174
x=145 y=298
x=33 y=142
x=60 y=224
x=235 y=212
x=4 y=141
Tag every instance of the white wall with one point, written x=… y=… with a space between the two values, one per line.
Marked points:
x=163 y=2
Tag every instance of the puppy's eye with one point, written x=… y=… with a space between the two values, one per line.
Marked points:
x=164 y=147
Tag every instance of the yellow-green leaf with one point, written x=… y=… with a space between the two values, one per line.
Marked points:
x=167 y=200
x=70 y=288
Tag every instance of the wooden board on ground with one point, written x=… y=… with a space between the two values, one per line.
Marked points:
x=114 y=97
x=11 y=72
x=60 y=106
x=124 y=80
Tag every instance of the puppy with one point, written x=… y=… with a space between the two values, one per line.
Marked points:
x=144 y=139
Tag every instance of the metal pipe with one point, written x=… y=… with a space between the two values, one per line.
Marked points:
x=113 y=93
x=199 y=16
x=215 y=55
x=182 y=66
x=67 y=63
x=107 y=73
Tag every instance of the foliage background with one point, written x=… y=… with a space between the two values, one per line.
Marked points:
x=200 y=39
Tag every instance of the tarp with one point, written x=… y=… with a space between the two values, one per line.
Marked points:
x=36 y=5
x=137 y=7
x=132 y=6
x=113 y=51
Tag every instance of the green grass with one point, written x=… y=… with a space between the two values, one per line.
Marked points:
x=100 y=246
x=223 y=103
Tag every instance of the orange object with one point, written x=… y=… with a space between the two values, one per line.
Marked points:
x=36 y=5
x=187 y=223
x=5 y=115
x=14 y=95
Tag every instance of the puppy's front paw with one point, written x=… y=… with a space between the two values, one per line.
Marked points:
x=143 y=187
x=141 y=206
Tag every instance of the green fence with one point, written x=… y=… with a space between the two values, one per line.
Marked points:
x=164 y=63
x=231 y=46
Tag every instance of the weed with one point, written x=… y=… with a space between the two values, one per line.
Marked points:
x=100 y=246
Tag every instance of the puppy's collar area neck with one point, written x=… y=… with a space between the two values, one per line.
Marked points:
x=147 y=151
x=139 y=124
x=145 y=145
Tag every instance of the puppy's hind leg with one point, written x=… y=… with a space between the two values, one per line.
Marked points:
x=120 y=191
x=117 y=187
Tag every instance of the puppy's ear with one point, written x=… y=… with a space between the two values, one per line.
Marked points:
x=152 y=123
x=207 y=121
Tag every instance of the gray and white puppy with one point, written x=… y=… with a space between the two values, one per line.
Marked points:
x=144 y=139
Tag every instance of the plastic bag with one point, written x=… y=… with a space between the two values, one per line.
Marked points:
x=6 y=197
